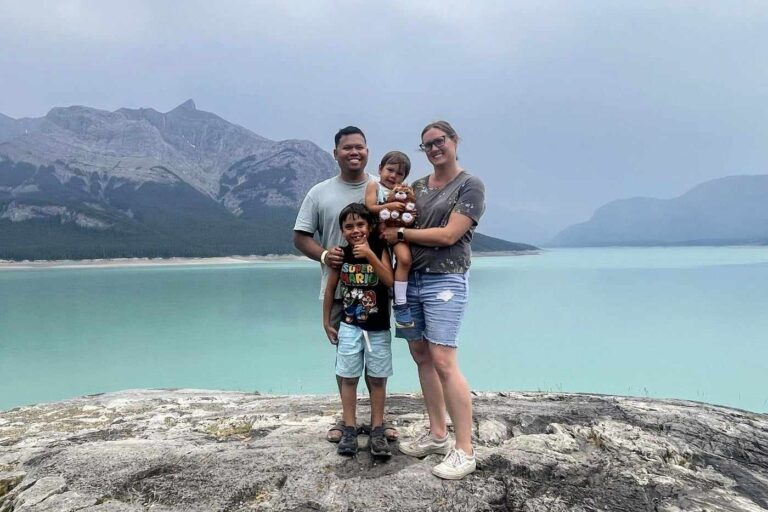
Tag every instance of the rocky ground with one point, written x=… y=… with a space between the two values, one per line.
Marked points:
x=205 y=450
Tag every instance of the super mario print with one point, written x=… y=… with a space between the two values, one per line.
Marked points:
x=358 y=281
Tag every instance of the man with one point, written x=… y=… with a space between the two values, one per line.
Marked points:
x=319 y=214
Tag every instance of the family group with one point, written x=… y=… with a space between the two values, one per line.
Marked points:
x=421 y=267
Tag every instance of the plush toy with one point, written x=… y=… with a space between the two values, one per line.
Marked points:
x=400 y=194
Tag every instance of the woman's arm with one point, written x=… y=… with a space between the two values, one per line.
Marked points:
x=330 y=291
x=458 y=224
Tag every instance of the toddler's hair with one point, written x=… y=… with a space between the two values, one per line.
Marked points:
x=399 y=158
x=358 y=209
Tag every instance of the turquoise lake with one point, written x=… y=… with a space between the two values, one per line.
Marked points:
x=685 y=323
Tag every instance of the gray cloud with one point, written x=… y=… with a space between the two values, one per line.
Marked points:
x=562 y=105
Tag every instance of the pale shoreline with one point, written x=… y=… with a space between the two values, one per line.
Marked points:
x=146 y=262
x=177 y=261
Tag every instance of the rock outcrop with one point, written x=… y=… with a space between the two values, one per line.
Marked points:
x=202 y=450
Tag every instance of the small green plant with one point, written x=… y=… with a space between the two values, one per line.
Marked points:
x=232 y=427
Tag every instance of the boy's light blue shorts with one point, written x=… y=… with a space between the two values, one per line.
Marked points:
x=352 y=354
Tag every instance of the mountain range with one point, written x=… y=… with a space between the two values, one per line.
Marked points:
x=88 y=183
x=725 y=211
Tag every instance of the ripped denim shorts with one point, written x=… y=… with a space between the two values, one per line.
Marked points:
x=437 y=303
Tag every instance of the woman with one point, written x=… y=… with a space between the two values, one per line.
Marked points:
x=449 y=203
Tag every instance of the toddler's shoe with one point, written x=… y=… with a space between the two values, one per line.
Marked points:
x=403 y=318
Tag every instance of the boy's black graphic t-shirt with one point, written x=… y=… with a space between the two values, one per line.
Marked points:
x=365 y=297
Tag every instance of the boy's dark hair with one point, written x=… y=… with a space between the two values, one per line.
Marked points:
x=349 y=130
x=358 y=209
x=399 y=158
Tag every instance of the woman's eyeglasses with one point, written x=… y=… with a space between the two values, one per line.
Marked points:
x=434 y=143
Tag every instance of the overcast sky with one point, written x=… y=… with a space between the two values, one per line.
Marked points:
x=562 y=106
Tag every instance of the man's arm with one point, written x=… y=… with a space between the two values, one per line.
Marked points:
x=309 y=247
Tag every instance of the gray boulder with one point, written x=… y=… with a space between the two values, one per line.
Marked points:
x=203 y=450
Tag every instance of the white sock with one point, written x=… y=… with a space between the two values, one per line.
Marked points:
x=401 y=289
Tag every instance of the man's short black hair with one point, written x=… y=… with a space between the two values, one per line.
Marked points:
x=358 y=209
x=349 y=130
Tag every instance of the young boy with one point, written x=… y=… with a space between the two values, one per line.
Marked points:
x=393 y=170
x=363 y=339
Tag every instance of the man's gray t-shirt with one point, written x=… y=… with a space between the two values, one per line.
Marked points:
x=465 y=195
x=319 y=213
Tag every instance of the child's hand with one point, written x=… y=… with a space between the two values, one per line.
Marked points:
x=333 y=334
x=396 y=206
x=362 y=250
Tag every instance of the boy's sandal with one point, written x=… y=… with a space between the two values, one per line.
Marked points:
x=379 y=443
x=335 y=432
x=348 y=444
x=390 y=432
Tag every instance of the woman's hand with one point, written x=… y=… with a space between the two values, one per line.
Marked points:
x=333 y=334
x=390 y=235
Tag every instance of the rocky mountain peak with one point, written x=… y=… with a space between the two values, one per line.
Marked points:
x=156 y=175
x=80 y=119
x=187 y=105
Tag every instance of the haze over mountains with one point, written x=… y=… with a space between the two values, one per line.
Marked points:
x=85 y=183
x=726 y=211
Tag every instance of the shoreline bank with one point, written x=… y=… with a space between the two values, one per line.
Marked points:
x=180 y=261
x=145 y=262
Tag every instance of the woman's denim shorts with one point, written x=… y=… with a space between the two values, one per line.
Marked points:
x=437 y=303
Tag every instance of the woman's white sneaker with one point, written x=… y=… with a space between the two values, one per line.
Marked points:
x=455 y=466
x=426 y=445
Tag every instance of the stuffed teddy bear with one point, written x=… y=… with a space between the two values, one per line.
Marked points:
x=401 y=193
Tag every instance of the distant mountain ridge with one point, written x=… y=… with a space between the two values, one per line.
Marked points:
x=725 y=211
x=82 y=182
x=88 y=183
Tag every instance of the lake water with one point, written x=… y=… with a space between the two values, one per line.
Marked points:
x=662 y=322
